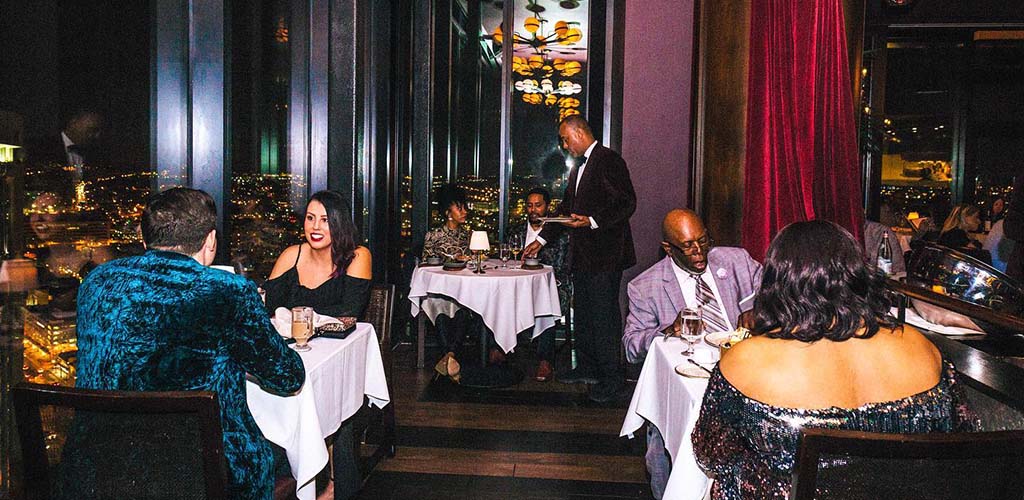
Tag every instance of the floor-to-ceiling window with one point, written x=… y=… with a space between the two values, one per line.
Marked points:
x=75 y=99
x=262 y=218
x=942 y=103
x=496 y=95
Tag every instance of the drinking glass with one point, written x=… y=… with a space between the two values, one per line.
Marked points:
x=517 y=248
x=302 y=327
x=504 y=250
x=692 y=325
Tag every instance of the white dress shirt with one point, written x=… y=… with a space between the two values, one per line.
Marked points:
x=531 y=233
x=688 y=285
x=74 y=159
x=579 y=175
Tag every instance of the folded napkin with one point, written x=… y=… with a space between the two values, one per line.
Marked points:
x=282 y=321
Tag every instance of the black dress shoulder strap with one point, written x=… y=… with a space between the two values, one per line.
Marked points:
x=297 y=254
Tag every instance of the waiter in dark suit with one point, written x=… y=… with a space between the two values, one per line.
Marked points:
x=599 y=199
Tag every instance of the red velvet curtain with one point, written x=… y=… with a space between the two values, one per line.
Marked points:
x=802 y=159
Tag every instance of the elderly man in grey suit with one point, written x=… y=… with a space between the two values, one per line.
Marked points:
x=722 y=281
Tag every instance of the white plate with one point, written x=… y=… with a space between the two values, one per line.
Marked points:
x=716 y=339
x=688 y=370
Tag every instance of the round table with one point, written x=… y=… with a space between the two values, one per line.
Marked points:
x=509 y=300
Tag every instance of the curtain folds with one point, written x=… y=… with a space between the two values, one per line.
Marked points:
x=801 y=160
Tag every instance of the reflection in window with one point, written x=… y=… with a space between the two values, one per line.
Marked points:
x=917 y=131
x=262 y=220
x=549 y=77
x=85 y=166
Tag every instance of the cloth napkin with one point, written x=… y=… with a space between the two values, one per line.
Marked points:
x=282 y=321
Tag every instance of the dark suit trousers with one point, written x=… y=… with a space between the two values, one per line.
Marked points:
x=598 y=323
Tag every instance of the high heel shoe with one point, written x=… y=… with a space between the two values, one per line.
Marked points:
x=449 y=367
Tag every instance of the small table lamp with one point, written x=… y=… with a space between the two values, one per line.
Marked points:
x=479 y=243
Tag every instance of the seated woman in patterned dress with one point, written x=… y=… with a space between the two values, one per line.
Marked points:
x=824 y=353
x=450 y=241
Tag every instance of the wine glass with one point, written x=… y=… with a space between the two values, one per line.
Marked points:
x=302 y=327
x=517 y=248
x=504 y=250
x=691 y=323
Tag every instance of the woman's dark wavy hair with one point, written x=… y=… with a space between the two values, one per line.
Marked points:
x=344 y=234
x=815 y=285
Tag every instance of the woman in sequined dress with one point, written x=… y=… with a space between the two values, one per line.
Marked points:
x=824 y=353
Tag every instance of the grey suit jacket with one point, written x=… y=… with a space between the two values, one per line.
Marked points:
x=655 y=298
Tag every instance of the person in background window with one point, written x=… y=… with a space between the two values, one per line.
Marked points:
x=997 y=209
x=69 y=156
x=824 y=353
x=330 y=271
x=957 y=232
x=165 y=321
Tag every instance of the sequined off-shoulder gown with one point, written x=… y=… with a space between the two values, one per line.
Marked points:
x=162 y=321
x=748 y=447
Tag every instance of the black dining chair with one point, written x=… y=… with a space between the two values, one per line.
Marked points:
x=380 y=428
x=839 y=464
x=90 y=444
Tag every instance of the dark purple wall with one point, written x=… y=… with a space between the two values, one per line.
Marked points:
x=656 y=116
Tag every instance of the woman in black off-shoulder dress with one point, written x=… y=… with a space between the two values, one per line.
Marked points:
x=331 y=273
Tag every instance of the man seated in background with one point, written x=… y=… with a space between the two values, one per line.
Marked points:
x=553 y=254
x=720 y=280
x=165 y=321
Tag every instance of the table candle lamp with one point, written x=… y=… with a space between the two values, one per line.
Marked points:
x=479 y=243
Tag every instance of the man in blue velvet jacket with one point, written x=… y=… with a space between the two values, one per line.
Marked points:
x=165 y=321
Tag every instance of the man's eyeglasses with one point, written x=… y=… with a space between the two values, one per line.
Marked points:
x=691 y=247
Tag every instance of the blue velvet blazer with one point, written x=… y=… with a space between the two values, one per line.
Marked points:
x=162 y=321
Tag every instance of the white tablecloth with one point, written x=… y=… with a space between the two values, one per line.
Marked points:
x=338 y=374
x=508 y=300
x=671 y=403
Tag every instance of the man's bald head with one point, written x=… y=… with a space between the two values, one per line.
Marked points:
x=686 y=240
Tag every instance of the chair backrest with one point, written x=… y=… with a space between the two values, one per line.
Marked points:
x=842 y=464
x=79 y=443
x=379 y=312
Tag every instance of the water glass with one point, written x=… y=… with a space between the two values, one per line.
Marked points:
x=302 y=327
x=692 y=328
x=504 y=252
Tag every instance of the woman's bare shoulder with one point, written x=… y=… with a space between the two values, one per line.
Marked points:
x=361 y=265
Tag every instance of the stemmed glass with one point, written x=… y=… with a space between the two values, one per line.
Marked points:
x=691 y=323
x=516 y=242
x=302 y=327
x=504 y=250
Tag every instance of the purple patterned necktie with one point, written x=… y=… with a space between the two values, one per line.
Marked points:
x=714 y=320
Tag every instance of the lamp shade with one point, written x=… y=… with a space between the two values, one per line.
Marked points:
x=531 y=24
x=479 y=241
x=17 y=275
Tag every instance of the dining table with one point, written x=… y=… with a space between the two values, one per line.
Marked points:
x=340 y=375
x=509 y=298
x=671 y=402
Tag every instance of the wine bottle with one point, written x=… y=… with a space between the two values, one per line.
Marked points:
x=884 y=262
